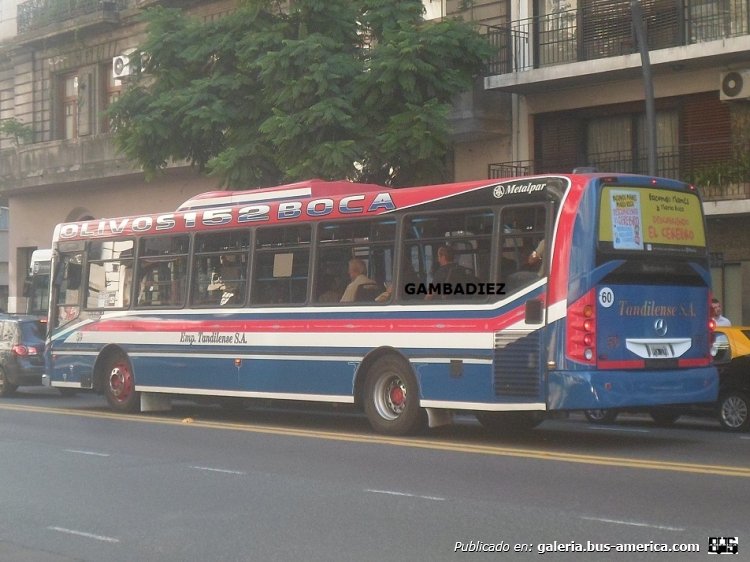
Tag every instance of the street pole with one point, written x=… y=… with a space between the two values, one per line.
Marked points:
x=648 y=83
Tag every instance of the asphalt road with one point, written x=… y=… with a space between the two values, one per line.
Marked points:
x=79 y=482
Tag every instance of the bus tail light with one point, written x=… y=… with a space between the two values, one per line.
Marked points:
x=580 y=338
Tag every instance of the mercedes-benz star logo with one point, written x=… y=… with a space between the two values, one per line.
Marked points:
x=660 y=326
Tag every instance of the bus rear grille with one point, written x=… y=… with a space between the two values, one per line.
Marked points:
x=516 y=363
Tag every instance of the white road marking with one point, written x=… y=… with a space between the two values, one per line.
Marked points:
x=222 y=470
x=404 y=494
x=82 y=534
x=90 y=453
x=633 y=524
x=625 y=429
x=744 y=437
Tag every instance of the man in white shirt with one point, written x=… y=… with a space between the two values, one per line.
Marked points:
x=716 y=314
x=358 y=275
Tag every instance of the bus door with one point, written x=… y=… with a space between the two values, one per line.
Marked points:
x=522 y=263
x=66 y=286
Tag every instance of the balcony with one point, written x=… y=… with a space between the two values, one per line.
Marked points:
x=61 y=161
x=720 y=169
x=574 y=43
x=43 y=19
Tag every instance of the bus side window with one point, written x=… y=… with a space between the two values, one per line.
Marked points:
x=371 y=245
x=110 y=274
x=220 y=268
x=162 y=270
x=523 y=255
x=282 y=264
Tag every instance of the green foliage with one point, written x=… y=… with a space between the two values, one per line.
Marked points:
x=332 y=88
x=18 y=131
x=724 y=173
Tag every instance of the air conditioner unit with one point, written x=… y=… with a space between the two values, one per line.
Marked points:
x=734 y=85
x=121 y=66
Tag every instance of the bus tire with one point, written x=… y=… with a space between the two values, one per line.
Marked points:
x=601 y=415
x=6 y=388
x=509 y=421
x=391 y=398
x=733 y=411
x=119 y=385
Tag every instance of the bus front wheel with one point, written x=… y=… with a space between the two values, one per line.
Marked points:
x=391 y=399
x=119 y=386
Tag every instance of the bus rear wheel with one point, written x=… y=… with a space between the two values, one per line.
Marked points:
x=119 y=386
x=391 y=398
x=509 y=421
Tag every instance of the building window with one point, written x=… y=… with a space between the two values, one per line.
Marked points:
x=620 y=143
x=434 y=9
x=69 y=124
x=111 y=93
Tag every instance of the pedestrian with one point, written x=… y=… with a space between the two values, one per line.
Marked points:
x=716 y=314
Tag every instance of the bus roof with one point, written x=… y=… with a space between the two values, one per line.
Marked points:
x=316 y=199
x=314 y=188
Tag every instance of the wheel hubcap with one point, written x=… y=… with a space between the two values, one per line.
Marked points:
x=734 y=412
x=120 y=383
x=390 y=397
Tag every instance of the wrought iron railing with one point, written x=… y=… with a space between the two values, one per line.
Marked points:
x=35 y=14
x=604 y=29
x=721 y=168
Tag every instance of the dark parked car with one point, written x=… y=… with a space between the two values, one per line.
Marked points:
x=21 y=352
x=731 y=351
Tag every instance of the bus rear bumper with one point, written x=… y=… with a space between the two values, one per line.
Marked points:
x=584 y=390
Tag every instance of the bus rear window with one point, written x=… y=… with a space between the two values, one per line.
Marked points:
x=651 y=220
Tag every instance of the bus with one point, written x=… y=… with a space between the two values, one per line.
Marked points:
x=566 y=292
x=36 y=285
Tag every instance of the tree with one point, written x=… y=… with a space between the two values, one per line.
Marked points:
x=329 y=88
x=18 y=131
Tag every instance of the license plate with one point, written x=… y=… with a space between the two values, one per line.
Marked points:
x=660 y=351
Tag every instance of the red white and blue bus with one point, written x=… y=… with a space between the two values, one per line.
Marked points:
x=563 y=292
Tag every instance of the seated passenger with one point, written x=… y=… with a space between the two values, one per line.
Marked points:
x=358 y=276
x=334 y=289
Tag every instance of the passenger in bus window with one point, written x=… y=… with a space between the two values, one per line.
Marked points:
x=358 y=276
x=230 y=275
x=536 y=258
x=334 y=288
x=449 y=271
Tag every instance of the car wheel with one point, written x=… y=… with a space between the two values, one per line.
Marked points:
x=509 y=421
x=601 y=415
x=733 y=411
x=6 y=388
x=664 y=418
x=119 y=385
x=391 y=398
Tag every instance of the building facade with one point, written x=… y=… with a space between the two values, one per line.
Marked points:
x=574 y=73
x=56 y=79
x=563 y=90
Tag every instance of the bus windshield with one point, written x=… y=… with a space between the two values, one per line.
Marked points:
x=641 y=219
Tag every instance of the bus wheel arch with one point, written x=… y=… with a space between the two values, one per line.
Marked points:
x=114 y=377
x=389 y=394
